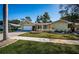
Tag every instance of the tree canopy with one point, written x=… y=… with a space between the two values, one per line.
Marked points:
x=28 y=18
x=16 y=21
x=45 y=18
x=1 y=22
x=70 y=12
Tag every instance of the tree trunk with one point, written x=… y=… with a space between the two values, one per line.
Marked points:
x=73 y=27
x=5 y=21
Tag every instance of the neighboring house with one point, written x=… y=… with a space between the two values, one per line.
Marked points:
x=11 y=26
x=63 y=25
x=1 y=26
x=60 y=25
x=14 y=26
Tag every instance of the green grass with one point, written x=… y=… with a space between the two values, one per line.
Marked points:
x=1 y=31
x=51 y=35
x=30 y=47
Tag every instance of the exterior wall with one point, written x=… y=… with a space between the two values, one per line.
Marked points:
x=60 y=26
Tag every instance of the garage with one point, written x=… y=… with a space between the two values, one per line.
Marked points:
x=27 y=28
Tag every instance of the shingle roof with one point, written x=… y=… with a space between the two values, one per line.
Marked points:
x=26 y=22
x=66 y=21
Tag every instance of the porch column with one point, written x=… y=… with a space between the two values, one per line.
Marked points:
x=42 y=27
x=5 y=21
x=36 y=27
x=48 y=28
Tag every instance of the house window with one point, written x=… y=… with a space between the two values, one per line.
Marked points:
x=39 y=27
x=69 y=25
x=45 y=26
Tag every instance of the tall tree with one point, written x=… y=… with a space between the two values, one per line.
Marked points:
x=28 y=18
x=16 y=21
x=46 y=17
x=70 y=8
x=62 y=12
x=22 y=19
x=71 y=14
x=37 y=20
x=72 y=18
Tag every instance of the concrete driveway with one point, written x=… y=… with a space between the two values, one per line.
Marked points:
x=11 y=34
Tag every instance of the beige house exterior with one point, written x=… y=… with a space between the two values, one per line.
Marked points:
x=60 y=25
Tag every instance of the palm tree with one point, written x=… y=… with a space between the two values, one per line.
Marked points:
x=5 y=21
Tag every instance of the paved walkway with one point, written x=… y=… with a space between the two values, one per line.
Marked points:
x=47 y=40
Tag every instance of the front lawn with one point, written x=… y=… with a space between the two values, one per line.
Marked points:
x=31 y=47
x=51 y=35
x=1 y=31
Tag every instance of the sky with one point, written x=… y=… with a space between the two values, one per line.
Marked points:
x=19 y=11
x=1 y=11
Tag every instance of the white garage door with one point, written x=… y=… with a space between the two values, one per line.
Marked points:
x=27 y=28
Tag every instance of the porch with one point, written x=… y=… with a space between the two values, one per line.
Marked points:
x=42 y=27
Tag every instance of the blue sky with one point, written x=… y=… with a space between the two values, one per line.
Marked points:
x=18 y=11
x=1 y=11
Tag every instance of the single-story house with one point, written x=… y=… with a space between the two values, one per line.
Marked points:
x=11 y=26
x=60 y=25
x=29 y=26
x=1 y=26
x=63 y=25
x=14 y=26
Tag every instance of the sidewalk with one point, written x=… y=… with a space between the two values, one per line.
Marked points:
x=13 y=39
x=63 y=41
x=7 y=42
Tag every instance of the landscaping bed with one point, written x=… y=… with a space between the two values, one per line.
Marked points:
x=51 y=35
x=31 y=47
